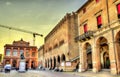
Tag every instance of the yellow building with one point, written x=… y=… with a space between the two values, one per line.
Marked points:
x=99 y=35
x=60 y=48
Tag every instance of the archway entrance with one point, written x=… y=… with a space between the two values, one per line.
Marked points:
x=117 y=43
x=14 y=63
x=26 y=65
x=104 y=53
x=54 y=62
x=33 y=65
x=51 y=62
x=58 y=61
x=45 y=64
x=48 y=63
x=105 y=62
x=88 y=56
x=63 y=58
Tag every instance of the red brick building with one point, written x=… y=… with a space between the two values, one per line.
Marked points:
x=13 y=51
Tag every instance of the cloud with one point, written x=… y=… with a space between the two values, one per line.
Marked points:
x=8 y=3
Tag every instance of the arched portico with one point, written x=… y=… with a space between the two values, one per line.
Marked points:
x=87 y=56
x=14 y=63
x=117 y=45
x=50 y=62
x=103 y=53
x=58 y=61
x=54 y=62
x=45 y=63
x=63 y=58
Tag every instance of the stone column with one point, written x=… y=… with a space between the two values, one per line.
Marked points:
x=113 y=63
x=81 y=65
x=96 y=59
x=96 y=56
x=112 y=53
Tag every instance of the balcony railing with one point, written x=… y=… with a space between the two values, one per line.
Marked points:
x=86 y=36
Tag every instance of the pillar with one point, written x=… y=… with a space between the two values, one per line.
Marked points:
x=113 y=62
x=81 y=65
x=96 y=59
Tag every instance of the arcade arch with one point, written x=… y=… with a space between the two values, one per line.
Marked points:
x=103 y=52
x=63 y=58
x=88 y=56
x=117 y=44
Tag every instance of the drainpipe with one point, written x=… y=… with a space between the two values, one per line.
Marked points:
x=108 y=12
x=112 y=32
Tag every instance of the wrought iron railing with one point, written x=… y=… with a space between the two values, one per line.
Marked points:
x=87 y=35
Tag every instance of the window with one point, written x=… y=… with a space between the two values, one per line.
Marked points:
x=46 y=51
x=118 y=10
x=15 y=52
x=85 y=28
x=61 y=42
x=50 y=48
x=7 y=52
x=99 y=21
x=56 y=45
x=33 y=54
x=27 y=53
x=84 y=10
x=21 y=51
x=97 y=1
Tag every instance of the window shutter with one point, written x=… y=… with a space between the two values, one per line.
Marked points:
x=97 y=0
x=118 y=8
x=85 y=28
x=99 y=20
x=84 y=10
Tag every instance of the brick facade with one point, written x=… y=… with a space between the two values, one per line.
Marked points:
x=13 y=51
x=60 y=47
x=41 y=56
x=90 y=38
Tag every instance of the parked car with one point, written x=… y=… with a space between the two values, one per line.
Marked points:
x=7 y=68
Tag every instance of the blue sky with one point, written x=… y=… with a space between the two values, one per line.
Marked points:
x=34 y=15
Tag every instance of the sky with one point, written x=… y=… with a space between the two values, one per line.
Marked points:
x=39 y=16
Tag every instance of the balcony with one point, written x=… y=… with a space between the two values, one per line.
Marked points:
x=86 y=36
